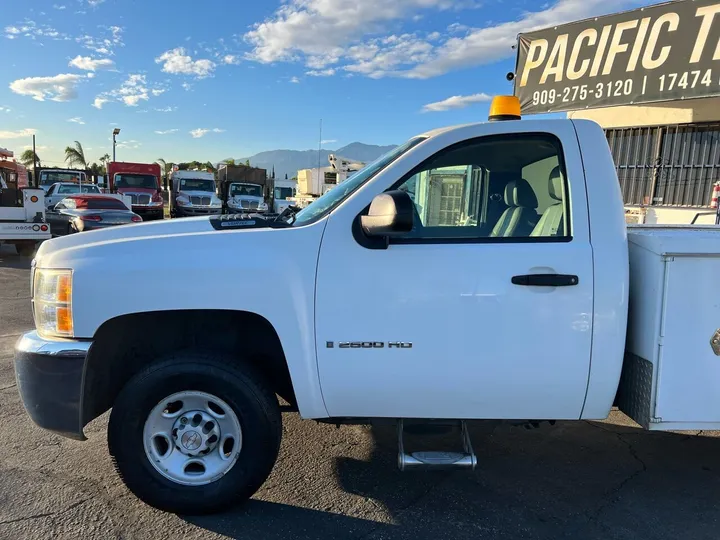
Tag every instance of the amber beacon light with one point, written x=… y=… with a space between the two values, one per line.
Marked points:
x=504 y=108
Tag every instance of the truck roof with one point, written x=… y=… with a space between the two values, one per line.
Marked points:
x=440 y=131
x=138 y=168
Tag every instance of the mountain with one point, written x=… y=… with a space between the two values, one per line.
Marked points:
x=290 y=161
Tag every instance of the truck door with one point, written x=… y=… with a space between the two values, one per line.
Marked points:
x=471 y=315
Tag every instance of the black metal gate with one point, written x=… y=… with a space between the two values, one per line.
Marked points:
x=673 y=165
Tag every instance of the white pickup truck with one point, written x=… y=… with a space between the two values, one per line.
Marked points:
x=475 y=272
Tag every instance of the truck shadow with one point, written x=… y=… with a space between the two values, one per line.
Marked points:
x=10 y=259
x=574 y=479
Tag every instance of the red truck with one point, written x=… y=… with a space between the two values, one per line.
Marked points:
x=142 y=182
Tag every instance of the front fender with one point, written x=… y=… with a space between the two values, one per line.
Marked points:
x=270 y=272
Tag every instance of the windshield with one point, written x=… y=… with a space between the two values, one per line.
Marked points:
x=86 y=188
x=335 y=196
x=48 y=178
x=246 y=190
x=283 y=193
x=197 y=184
x=146 y=181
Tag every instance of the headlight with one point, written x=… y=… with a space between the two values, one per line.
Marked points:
x=52 y=302
x=183 y=201
x=215 y=202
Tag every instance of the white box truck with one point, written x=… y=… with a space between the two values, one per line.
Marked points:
x=474 y=272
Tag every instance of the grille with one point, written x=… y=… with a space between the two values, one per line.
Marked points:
x=249 y=204
x=140 y=198
x=201 y=201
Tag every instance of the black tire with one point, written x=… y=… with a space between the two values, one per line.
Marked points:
x=241 y=388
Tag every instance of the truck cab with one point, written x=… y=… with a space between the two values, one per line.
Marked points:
x=47 y=176
x=141 y=182
x=283 y=192
x=244 y=197
x=193 y=193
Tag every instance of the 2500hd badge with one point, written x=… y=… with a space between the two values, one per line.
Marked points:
x=369 y=345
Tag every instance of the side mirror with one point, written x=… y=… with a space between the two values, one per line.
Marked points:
x=391 y=214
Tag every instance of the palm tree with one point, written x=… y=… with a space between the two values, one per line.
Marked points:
x=28 y=158
x=104 y=159
x=229 y=161
x=76 y=156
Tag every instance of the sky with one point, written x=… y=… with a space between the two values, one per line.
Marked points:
x=187 y=80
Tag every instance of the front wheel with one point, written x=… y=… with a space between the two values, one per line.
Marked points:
x=194 y=434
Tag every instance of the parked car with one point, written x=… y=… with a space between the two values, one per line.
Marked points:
x=58 y=191
x=79 y=213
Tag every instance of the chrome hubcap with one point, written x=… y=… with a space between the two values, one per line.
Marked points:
x=192 y=438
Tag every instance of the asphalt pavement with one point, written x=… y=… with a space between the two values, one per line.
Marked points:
x=577 y=480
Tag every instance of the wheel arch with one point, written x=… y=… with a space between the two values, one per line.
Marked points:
x=122 y=346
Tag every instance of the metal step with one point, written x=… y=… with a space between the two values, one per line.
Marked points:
x=437 y=459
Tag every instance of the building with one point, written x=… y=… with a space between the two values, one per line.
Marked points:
x=667 y=156
x=649 y=77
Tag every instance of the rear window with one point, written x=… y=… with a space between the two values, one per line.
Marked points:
x=100 y=204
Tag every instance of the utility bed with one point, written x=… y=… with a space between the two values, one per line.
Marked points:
x=671 y=370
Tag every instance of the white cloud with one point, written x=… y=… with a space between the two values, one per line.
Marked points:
x=37 y=147
x=492 y=43
x=99 y=102
x=90 y=64
x=230 y=59
x=94 y=3
x=456 y=102
x=77 y=120
x=186 y=86
x=60 y=7
x=12 y=30
x=328 y=141
x=353 y=35
x=294 y=80
x=383 y=56
x=103 y=44
x=321 y=73
x=27 y=132
x=285 y=34
x=166 y=132
x=166 y=109
x=201 y=132
x=131 y=144
x=4 y=109
x=131 y=92
x=178 y=62
x=61 y=87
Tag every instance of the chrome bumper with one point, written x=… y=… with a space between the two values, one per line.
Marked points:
x=49 y=375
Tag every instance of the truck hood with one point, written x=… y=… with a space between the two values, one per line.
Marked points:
x=238 y=198
x=87 y=240
x=187 y=193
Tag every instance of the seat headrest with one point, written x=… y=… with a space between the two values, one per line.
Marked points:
x=519 y=193
x=556 y=184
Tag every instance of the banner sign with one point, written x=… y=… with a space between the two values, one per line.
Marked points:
x=665 y=52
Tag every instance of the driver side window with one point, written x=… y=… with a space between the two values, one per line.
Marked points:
x=504 y=188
